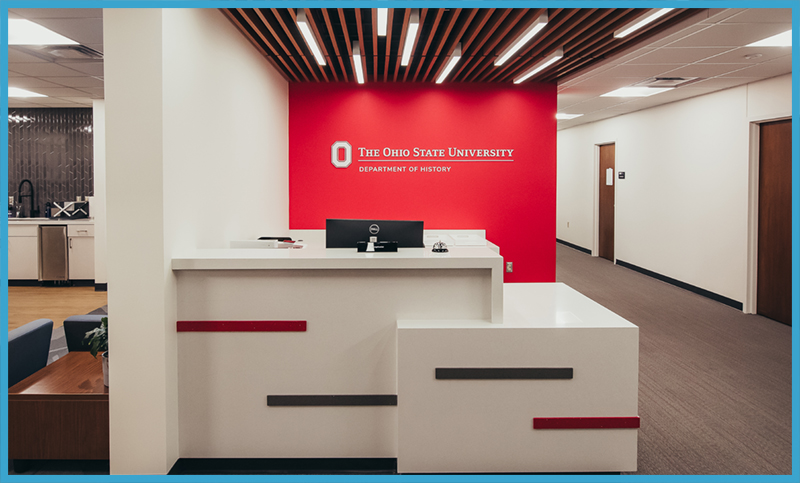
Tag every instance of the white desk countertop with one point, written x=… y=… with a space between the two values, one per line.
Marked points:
x=316 y=257
x=50 y=221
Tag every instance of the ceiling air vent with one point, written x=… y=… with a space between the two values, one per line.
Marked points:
x=57 y=53
x=666 y=82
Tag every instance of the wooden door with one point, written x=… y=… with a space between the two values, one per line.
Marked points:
x=607 y=183
x=774 y=298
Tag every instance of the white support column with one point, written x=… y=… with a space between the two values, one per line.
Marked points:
x=142 y=339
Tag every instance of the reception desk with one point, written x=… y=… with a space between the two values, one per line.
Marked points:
x=332 y=353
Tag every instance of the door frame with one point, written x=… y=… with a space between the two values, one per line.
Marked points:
x=750 y=305
x=596 y=184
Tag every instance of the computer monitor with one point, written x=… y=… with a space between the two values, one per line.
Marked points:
x=347 y=233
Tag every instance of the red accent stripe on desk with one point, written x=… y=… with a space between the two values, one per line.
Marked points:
x=586 y=423
x=241 y=326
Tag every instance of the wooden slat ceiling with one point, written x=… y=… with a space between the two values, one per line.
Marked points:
x=585 y=34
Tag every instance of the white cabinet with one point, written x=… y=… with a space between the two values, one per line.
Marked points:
x=81 y=252
x=23 y=252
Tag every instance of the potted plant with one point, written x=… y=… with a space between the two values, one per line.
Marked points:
x=98 y=342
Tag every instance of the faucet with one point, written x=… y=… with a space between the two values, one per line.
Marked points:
x=29 y=195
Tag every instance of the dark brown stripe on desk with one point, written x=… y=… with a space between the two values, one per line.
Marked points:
x=504 y=373
x=241 y=326
x=587 y=423
x=334 y=400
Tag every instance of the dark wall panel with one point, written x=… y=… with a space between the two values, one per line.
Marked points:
x=54 y=149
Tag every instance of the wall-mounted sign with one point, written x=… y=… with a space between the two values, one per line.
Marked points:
x=397 y=160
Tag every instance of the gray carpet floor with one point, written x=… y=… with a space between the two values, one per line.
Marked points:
x=714 y=383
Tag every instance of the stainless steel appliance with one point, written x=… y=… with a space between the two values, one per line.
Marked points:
x=53 y=254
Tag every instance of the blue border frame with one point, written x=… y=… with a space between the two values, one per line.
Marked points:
x=794 y=5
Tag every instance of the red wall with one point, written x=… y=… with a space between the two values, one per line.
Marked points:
x=515 y=202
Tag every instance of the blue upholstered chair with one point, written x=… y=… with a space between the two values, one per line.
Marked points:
x=28 y=347
x=75 y=329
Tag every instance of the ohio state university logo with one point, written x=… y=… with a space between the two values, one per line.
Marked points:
x=341 y=154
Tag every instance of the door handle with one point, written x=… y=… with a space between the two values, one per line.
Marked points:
x=70 y=243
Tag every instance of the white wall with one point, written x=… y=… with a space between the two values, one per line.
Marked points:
x=681 y=211
x=97 y=206
x=197 y=135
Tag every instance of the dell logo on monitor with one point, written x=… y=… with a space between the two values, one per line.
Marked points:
x=374 y=229
x=341 y=148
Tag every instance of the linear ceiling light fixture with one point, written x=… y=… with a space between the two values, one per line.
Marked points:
x=523 y=39
x=780 y=40
x=454 y=57
x=25 y=32
x=17 y=92
x=641 y=22
x=540 y=66
x=308 y=35
x=357 y=62
x=634 y=91
x=411 y=36
x=383 y=20
x=562 y=116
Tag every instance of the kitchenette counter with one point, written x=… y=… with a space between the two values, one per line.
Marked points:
x=50 y=221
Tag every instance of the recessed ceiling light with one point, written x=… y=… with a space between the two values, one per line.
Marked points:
x=540 y=66
x=383 y=21
x=357 y=62
x=17 y=92
x=25 y=32
x=562 y=116
x=528 y=34
x=780 y=40
x=641 y=22
x=753 y=56
x=305 y=29
x=411 y=37
x=636 y=92
x=456 y=55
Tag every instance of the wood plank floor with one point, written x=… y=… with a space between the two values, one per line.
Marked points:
x=56 y=303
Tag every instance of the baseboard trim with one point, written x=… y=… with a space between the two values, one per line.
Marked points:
x=572 y=245
x=24 y=283
x=101 y=287
x=210 y=466
x=82 y=283
x=699 y=291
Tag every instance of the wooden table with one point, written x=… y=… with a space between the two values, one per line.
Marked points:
x=60 y=412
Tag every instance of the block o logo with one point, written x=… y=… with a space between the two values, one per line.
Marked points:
x=336 y=149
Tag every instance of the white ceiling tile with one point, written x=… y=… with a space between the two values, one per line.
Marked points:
x=716 y=15
x=94 y=91
x=779 y=66
x=51 y=102
x=15 y=55
x=705 y=70
x=11 y=73
x=678 y=55
x=78 y=81
x=13 y=102
x=81 y=30
x=43 y=69
x=79 y=100
x=58 y=12
x=645 y=70
x=671 y=39
x=731 y=35
x=91 y=68
x=61 y=92
x=720 y=83
x=30 y=82
x=737 y=56
x=762 y=15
